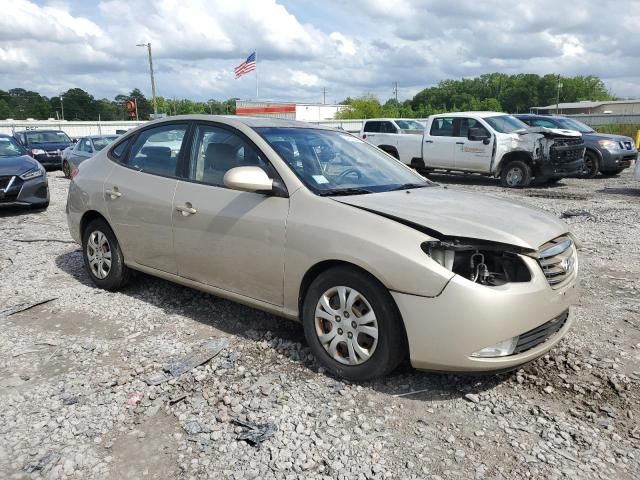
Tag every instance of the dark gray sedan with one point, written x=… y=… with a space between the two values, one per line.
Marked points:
x=86 y=147
x=23 y=180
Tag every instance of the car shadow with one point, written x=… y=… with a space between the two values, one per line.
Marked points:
x=19 y=211
x=629 y=191
x=258 y=326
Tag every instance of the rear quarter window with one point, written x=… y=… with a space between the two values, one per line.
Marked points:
x=119 y=150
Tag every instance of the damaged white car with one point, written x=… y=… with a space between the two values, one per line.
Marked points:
x=315 y=225
x=489 y=143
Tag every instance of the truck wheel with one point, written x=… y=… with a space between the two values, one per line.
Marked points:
x=516 y=174
x=591 y=165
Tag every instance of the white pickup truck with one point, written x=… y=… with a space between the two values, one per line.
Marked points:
x=490 y=143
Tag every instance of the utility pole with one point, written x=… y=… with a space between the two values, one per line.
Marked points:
x=324 y=95
x=558 y=96
x=62 y=105
x=395 y=91
x=153 y=82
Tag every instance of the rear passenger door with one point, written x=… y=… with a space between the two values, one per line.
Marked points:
x=438 y=150
x=139 y=193
x=226 y=238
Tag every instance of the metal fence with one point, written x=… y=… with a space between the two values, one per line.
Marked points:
x=597 y=119
x=73 y=129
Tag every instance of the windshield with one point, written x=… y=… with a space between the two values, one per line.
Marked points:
x=101 y=142
x=10 y=148
x=47 y=137
x=505 y=123
x=331 y=162
x=409 y=125
x=572 y=124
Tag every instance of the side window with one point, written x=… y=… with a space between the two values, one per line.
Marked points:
x=387 y=127
x=442 y=127
x=85 y=145
x=468 y=123
x=119 y=149
x=156 y=150
x=217 y=150
x=373 y=127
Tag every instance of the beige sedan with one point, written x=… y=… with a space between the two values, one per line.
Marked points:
x=315 y=225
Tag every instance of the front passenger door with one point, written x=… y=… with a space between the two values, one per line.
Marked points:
x=226 y=238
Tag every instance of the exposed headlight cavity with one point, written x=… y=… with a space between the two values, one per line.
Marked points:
x=489 y=265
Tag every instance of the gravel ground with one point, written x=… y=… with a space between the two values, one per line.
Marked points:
x=83 y=393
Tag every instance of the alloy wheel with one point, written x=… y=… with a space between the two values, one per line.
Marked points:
x=99 y=254
x=346 y=325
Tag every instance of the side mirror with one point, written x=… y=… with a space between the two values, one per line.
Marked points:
x=478 y=135
x=248 y=179
x=74 y=140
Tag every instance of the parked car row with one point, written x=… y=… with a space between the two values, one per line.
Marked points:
x=26 y=156
x=517 y=149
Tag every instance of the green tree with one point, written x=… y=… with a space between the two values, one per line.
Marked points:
x=362 y=107
x=5 y=110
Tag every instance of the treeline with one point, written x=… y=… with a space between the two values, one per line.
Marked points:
x=77 y=104
x=492 y=91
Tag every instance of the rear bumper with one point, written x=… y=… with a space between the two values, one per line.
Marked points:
x=561 y=169
x=443 y=332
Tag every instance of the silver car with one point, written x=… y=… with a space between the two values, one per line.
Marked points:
x=85 y=147
x=316 y=225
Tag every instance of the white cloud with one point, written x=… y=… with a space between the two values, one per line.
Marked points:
x=350 y=47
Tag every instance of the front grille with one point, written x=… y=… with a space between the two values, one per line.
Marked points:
x=10 y=193
x=4 y=181
x=541 y=334
x=565 y=150
x=558 y=260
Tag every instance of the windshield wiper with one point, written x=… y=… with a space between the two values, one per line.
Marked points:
x=407 y=186
x=344 y=191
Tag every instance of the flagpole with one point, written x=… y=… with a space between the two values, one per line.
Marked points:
x=256 y=53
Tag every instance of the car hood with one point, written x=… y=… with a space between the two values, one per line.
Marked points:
x=445 y=212
x=554 y=132
x=607 y=136
x=16 y=165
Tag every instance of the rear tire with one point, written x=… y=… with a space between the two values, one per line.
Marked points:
x=66 y=169
x=103 y=257
x=352 y=325
x=516 y=174
x=591 y=165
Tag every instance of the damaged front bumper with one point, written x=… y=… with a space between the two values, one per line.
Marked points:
x=561 y=169
x=448 y=332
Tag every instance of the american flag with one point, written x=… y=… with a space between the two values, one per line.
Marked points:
x=247 y=66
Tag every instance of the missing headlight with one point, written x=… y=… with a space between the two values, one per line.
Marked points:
x=484 y=264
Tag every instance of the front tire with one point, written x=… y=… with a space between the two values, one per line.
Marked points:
x=352 y=325
x=516 y=174
x=103 y=257
x=591 y=165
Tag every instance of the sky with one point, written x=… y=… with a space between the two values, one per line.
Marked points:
x=348 y=47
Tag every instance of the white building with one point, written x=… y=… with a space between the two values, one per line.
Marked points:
x=304 y=112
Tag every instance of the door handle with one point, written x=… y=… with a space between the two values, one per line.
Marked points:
x=113 y=193
x=428 y=141
x=459 y=143
x=186 y=209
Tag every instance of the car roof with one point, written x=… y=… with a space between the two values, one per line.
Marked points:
x=106 y=135
x=249 y=121
x=473 y=114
